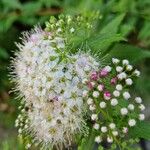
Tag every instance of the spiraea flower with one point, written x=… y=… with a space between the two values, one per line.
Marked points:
x=116 y=111
x=64 y=91
x=49 y=82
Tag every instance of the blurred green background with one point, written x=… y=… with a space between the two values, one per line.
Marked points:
x=20 y=15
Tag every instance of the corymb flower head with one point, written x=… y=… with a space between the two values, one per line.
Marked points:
x=49 y=81
x=115 y=109
x=65 y=91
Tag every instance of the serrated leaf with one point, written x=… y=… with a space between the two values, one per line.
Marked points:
x=108 y=35
x=126 y=51
x=141 y=130
x=113 y=25
x=101 y=42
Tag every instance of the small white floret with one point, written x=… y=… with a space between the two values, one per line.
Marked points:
x=19 y=130
x=26 y=126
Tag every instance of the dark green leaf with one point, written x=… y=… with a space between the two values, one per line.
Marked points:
x=30 y=8
x=145 y=31
x=134 y=54
x=12 y=3
x=113 y=25
x=141 y=130
x=5 y=24
x=3 y=53
x=100 y=42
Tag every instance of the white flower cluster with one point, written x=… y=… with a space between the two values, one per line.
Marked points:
x=113 y=111
x=51 y=87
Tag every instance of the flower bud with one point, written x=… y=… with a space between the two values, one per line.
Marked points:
x=124 y=111
x=115 y=60
x=102 y=104
x=98 y=139
x=104 y=129
x=132 y=122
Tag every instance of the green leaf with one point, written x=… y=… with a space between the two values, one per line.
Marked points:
x=145 y=31
x=13 y=4
x=3 y=53
x=30 y=8
x=100 y=42
x=103 y=41
x=100 y=148
x=5 y=24
x=113 y=25
x=141 y=130
x=126 y=51
x=108 y=35
x=88 y=142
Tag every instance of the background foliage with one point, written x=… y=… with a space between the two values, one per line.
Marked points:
x=123 y=31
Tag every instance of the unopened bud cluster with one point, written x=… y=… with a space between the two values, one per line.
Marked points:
x=113 y=110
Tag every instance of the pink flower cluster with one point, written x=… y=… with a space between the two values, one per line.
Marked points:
x=96 y=78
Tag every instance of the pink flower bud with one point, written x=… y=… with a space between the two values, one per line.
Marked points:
x=94 y=75
x=90 y=85
x=114 y=80
x=107 y=95
x=103 y=72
